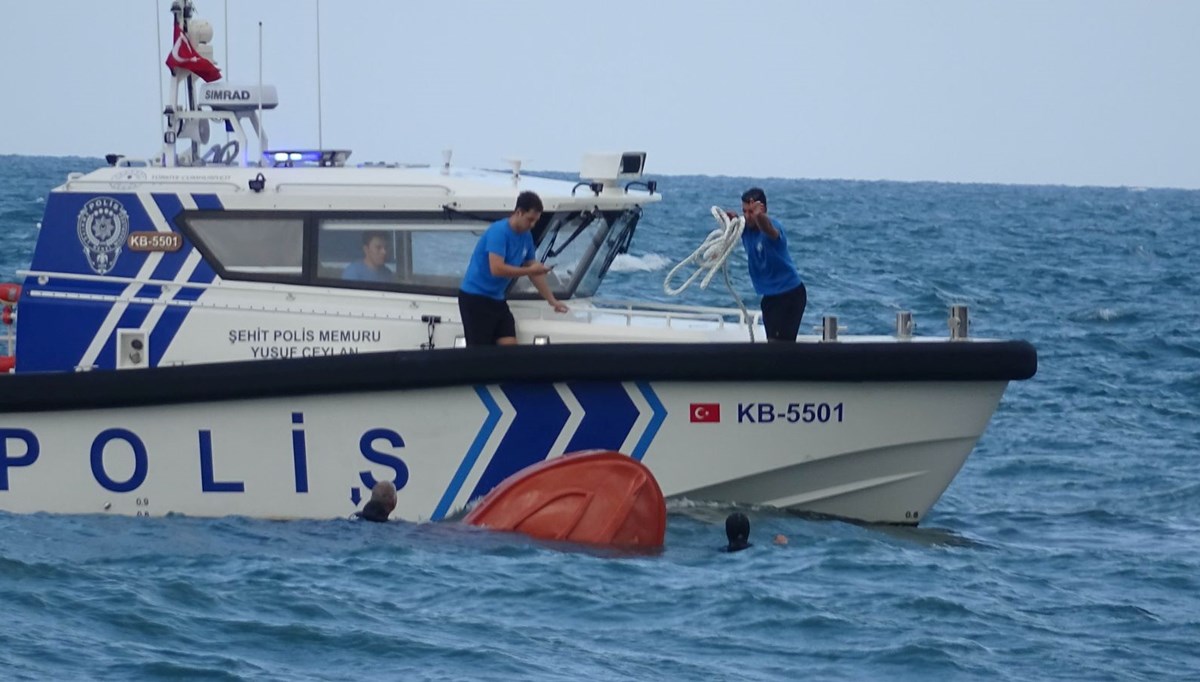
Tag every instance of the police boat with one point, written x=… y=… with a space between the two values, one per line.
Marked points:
x=187 y=344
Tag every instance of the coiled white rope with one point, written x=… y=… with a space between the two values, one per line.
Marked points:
x=712 y=256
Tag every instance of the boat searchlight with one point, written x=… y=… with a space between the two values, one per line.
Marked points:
x=611 y=168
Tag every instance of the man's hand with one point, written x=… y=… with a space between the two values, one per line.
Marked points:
x=559 y=306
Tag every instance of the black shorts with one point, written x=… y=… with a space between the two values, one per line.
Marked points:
x=485 y=319
x=782 y=313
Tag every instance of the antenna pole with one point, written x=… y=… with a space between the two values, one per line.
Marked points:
x=320 y=142
x=191 y=87
x=261 y=144
x=191 y=96
x=225 y=72
x=162 y=105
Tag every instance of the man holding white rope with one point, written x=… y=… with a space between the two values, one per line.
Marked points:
x=771 y=269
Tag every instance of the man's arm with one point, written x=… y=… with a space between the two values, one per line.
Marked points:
x=763 y=223
x=501 y=269
x=539 y=283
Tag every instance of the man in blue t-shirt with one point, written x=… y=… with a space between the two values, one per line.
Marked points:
x=504 y=253
x=372 y=267
x=771 y=269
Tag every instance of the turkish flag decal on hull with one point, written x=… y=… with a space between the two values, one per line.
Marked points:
x=705 y=412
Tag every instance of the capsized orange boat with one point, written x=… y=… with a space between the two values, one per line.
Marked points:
x=595 y=497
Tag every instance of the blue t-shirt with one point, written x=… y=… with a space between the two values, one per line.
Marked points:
x=515 y=249
x=771 y=268
x=359 y=271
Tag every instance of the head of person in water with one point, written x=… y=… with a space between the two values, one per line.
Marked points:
x=737 y=529
x=381 y=504
x=384 y=493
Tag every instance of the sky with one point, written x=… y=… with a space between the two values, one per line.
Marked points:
x=1075 y=92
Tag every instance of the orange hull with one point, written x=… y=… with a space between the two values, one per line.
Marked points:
x=596 y=497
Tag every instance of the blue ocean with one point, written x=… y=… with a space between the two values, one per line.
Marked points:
x=1067 y=548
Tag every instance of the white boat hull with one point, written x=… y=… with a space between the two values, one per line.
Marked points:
x=873 y=452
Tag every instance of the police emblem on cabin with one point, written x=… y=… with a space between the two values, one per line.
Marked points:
x=103 y=226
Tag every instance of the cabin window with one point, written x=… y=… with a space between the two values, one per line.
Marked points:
x=442 y=256
x=396 y=254
x=267 y=246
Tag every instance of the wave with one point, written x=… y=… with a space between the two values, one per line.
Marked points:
x=651 y=262
x=1103 y=314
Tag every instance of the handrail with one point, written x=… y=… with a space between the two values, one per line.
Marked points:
x=650 y=306
x=73 y=183
x=631 y=315
x=225 y=284
x=265 y=307
x=720 y=317
x=449 y=191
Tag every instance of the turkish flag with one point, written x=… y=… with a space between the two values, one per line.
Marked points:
x=705 y=412
x=184 y=56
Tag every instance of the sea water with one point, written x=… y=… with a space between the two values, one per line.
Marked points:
x=1067 y=548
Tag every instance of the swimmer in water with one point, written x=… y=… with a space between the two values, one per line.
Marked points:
x=382 y=503
x=737 y=529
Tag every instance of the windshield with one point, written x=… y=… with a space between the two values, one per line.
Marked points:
x=581 y=246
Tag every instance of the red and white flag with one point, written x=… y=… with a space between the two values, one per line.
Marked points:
x=706 y=412
x=184 y=56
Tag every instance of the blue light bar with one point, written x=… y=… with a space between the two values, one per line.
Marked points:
x=320 y=157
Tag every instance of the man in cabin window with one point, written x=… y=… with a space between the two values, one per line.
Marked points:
x=504 y=253
x=372 y=267
x=772 y=271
